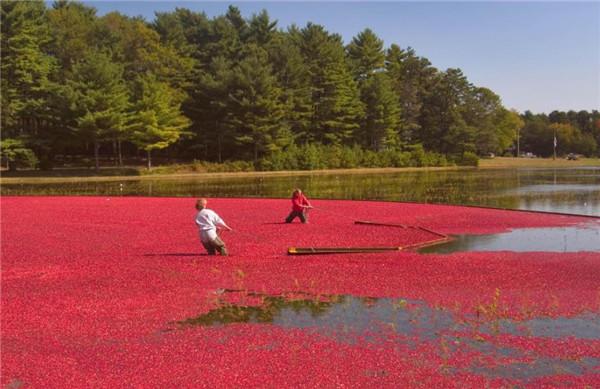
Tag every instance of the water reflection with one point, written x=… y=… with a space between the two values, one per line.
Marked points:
x=575 y=190
x=350 y=319
x=346 y=314
x=542 y=367
x=586 y=326
x=554 y=239
x=544 y=188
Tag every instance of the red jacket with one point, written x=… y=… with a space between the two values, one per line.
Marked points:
x=298 y=202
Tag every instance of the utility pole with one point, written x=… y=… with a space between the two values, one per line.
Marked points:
x=554 y=157
x=518 y=139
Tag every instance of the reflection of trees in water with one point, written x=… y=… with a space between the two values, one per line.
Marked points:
x=412 y=322
x=264 y=313
x=504 y=188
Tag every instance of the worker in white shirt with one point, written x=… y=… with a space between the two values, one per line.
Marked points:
x=208 y=222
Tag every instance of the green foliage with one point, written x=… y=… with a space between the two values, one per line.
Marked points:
x=156 y=121
x=293 y=77
x=98 y=96
x=255 y=110
x=412 y=79
x=318 y=156
x=25 y=66
x=138 y=47
x=203 y=167
x=576 y=132
x=381 y=119
x=508 y=124
x=468 y=159
x=275 y=99
x=336 y=107
x=98 y=99
x=365 y=53
x=571 y=140
x=585 y=144
x=74 y=32
x=261 y=29
x=17 y=154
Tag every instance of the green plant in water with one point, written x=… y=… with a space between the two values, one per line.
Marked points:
x=238 y=277
x=445 y=354
x=399 y=304
x=493 y=311
x=554 y=304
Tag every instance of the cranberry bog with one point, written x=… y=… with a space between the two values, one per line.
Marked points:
x=118 y=292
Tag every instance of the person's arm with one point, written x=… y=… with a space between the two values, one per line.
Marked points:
x=298 y=202
x=221 y=223
x=306 y=202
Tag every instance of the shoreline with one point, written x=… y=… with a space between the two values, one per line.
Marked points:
x=484 y=164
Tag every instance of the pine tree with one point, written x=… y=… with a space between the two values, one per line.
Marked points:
x=292 y=74
x=99 y=99
x=341 y=109
x=74 y=31
x=481 y=111
x=224 y=40
x=234 y=17
x=412 y=80
x=261 y=29
x=336 y=107
x=365 y=54
x=185 y=30
x=444 y=128
x=25 y=67
x=380 y=126
x=209 y=109
x=138 y=47
x=255 y=108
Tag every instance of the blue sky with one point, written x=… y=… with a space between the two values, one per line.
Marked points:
x=538 y=55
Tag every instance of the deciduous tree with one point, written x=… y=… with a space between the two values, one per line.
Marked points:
x=156 y=121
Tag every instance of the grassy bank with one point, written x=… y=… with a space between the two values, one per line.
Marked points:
x=504 y=162
x=181 y=171
x=49 y=178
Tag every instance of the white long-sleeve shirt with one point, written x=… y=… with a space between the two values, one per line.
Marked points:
x=207 y=221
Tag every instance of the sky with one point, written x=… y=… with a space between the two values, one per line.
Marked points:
x=539 y=56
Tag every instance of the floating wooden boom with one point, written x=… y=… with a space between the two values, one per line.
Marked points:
x=380 y=224
x=338 y=250
x=400 y=225
x=345 y=250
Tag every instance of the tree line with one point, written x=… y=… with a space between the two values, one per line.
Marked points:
x=229 y=88
x=575 y=132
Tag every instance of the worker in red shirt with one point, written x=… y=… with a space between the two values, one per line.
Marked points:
x=300 y=206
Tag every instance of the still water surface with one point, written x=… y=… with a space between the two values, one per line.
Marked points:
x=347 y=318
x=585 y=237
x=568 y=190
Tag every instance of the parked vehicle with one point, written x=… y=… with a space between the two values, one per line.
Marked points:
x=528 y=155
x=572 y=157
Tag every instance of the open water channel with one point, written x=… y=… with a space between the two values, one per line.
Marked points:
x=567 y=190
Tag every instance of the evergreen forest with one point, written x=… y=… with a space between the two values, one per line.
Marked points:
x=184 y=87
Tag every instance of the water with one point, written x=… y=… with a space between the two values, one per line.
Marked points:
x=337 y=315
x=569 y=190
x=351 y=319
x=555 y=239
